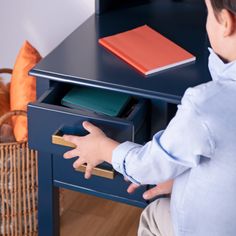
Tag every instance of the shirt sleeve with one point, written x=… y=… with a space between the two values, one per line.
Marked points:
x=170 y=152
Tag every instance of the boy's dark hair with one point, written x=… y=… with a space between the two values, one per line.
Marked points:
x=218 y=5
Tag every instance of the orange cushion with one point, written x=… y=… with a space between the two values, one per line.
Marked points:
x=23 y=88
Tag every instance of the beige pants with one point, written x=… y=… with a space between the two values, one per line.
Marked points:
x=156 y=220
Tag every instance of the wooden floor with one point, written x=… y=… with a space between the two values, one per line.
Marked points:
x=85 y=215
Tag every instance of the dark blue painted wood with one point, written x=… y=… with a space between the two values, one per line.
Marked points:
x=102 y=6
x=42 y=86
x=48 y=197
x=79 y=59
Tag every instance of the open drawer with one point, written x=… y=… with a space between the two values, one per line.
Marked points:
x=47 y=116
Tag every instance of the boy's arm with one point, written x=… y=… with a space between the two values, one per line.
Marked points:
x=171 y=152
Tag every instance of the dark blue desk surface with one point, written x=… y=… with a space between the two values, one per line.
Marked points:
x=79 y=58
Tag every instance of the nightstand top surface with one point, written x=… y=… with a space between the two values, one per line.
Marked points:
x=80 y=59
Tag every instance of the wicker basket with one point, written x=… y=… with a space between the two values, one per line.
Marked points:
x=18 y=187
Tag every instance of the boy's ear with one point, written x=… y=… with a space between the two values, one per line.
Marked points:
x=228 y=22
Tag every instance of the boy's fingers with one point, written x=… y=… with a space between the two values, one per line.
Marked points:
x=151 y=193
x=90 y=127
x=78 y=163
x=88 y=171
x=132 y=187
x=71 y=154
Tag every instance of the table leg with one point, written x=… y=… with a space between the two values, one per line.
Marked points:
x=48 y=197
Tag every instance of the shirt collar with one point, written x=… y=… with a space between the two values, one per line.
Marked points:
x=219 y=69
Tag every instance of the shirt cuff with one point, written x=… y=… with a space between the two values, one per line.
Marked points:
x=118 y=158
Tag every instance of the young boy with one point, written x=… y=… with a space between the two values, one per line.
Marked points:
x=197 y=149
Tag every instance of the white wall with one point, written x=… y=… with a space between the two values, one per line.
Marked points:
x=44 y=23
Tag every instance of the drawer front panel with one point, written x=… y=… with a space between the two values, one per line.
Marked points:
x=44 y=121
x=47 y=116
x=116 y=188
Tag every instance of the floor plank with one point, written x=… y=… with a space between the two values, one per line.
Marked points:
x=85 y=215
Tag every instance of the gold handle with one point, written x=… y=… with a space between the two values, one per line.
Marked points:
x=58 y=139
x=109 y=174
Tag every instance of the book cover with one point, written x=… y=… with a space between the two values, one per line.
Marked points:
x=146 y=50
x=96 y=100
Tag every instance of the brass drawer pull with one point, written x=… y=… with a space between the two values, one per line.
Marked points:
x=57 y=138
x=109 y=174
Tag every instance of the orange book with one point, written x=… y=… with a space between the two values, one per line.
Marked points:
x=146 y=50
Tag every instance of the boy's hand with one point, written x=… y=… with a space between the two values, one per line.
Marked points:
x=91 y=149
x=163 y=188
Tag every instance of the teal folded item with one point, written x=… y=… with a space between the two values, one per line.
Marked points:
x=98 y=100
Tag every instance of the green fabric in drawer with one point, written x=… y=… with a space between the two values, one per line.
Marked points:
x=97 y=100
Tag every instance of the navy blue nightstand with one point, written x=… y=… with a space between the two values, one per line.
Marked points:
x=79 y=60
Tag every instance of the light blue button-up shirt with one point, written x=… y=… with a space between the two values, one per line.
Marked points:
x=198 y=150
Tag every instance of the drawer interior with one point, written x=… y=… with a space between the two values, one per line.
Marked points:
x=56 y=94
